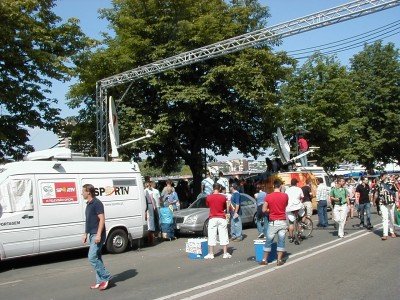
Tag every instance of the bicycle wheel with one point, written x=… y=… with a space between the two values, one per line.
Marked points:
x=297 y=232
x=306 y=227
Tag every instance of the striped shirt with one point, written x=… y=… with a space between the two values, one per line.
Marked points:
x=322 y=192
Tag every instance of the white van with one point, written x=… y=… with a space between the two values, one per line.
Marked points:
x=42 y=209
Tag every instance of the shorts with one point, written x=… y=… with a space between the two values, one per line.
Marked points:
x=218 y=225
x=290 y=215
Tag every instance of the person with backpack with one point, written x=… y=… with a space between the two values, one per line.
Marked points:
x=387 y=195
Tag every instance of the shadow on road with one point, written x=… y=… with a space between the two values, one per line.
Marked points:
x=124 y=275
x=42 y=259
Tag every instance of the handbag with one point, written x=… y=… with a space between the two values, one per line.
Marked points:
x=397 y=216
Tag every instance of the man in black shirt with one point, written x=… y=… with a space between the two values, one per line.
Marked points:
x=95 y=234
x=362 y=199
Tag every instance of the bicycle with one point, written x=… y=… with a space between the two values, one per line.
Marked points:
x=303 y=228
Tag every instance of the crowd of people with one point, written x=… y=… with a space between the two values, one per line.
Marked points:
x=277 y=211
x=382 y=192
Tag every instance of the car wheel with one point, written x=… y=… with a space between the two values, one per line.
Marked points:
x=117 y=241
x=255 y=220
x=205 y=228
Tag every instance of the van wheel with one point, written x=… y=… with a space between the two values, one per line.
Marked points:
x=117 y=241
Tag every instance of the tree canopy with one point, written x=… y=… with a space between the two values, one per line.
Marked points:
x=217 y=104
x=375 y=73
x=35 y=47
x=351 y=114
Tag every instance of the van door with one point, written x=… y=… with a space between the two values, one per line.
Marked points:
x=19 y=233
x=122 y=199
x=61 y=222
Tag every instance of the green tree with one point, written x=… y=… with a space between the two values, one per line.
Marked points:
x=218 y=104
x=320 y=97
x=375 y=73
x=35 y=47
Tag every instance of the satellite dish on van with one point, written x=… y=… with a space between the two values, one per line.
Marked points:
x=282 y=146
x=114 y=131
x=113 y=128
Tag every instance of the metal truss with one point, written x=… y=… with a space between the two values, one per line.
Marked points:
x=320 y=19
x=101 y=119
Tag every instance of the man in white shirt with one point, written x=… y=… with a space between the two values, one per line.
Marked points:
x=294 y=205
x=156 y=193
x=224 y=182
x=322 y=200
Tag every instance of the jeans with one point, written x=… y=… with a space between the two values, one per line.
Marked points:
x=168 y=229
x=276 y=227
x=236 y=227
x=367 y=208
x=262 y=228
x=96 y=261
x=322 y=213
x=303 y=160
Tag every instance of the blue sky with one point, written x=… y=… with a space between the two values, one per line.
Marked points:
x=281 y=11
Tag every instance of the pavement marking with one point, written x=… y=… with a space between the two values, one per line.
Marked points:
x=10 y=282
x=348 y=239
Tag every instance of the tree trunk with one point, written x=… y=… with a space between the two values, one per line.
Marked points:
x=194 y=159
x=196 y=167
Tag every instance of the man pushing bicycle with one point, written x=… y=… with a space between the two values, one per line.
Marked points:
x=295 y=206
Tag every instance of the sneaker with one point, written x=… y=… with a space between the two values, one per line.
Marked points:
x=280 y=262
x=361 y=226
x=263 y=263
x=95 y=286
x=233 y=238
x=370 y=227
x=103 y=285
x=209 y=256
x=238 y=239
x=226 y=255
x=261 y=235
x=291 y=239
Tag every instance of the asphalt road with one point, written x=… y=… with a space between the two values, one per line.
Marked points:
x=360 y=266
